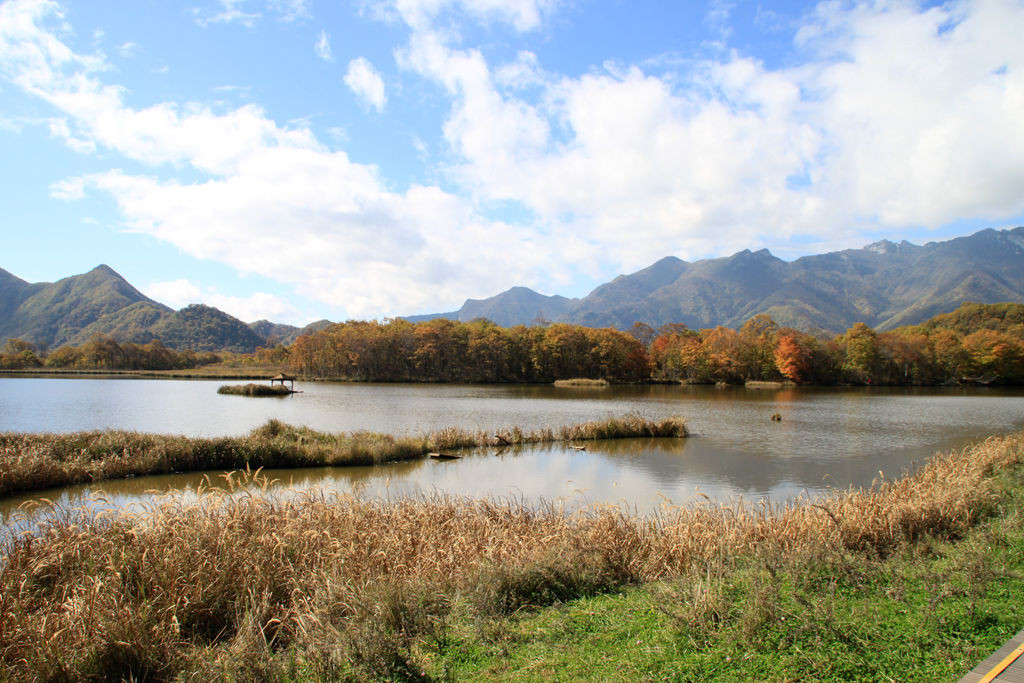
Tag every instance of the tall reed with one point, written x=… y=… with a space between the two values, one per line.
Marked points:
x=240 y=582
x=36 y=461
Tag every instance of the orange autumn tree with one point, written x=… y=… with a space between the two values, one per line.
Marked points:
x=793 y=357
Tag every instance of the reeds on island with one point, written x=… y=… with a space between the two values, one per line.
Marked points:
x=255 y=390
x=38 y=461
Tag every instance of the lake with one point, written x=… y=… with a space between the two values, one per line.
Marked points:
x=835 y=437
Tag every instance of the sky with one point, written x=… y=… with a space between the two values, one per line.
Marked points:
x=294 y=160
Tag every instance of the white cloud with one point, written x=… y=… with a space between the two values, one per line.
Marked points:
x=59 y=129
x=323 y=47
x=921 y=109
x=174 y=293
x=525 y=72
x=290 y=10
x=128 y=48
x=273 y=200
x=366 y=83
x=523 y=15
x=237 y=12
x=228 y=12
x=717 y=18
x=180 y=293
x=69 y=189
x=898 y=118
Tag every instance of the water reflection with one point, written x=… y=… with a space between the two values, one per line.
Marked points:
x=826 y=438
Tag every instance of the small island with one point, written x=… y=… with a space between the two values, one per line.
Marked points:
x=255 y=390
x=274 y=389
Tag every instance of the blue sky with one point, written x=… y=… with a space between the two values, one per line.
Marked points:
x=304 y=159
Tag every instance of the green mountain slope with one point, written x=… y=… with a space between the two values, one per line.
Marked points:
x=54 y=314
x=12 y=293
x=102 y=303
x=203 y=328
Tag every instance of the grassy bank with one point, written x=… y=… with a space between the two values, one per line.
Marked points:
x=37 y=461
x=846 y=586
x=928 y=612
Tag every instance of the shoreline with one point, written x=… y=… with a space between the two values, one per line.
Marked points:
x=264 y=374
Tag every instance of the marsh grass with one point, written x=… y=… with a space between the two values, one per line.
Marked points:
x=38 y=461
x=255 y=390
x=582 y=382
x=239 y=582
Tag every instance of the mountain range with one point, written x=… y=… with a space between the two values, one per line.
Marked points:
x=885 y=285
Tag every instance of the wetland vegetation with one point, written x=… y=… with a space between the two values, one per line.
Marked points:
x=338 y=587
x=37 y=461
x=255 y=390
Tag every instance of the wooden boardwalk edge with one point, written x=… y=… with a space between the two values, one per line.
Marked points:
x=1005 y=665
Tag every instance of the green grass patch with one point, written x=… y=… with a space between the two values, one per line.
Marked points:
x=930 y=611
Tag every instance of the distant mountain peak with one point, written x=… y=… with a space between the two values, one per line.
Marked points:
x=107 y=273
x=881 y=247
x=883 y=284
x=889 y=247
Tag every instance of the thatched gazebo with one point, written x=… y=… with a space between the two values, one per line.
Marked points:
x=282 y=378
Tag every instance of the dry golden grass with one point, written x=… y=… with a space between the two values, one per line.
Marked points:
x=582 y=382
x=37 y=461
x=236 y=578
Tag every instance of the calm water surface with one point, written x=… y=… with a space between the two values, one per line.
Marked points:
x=827 y=437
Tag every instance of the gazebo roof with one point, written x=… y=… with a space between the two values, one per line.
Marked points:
x=283 y=376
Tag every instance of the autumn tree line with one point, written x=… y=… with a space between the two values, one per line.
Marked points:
x=976 y=343
x=982 y=343
x=102 y=353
